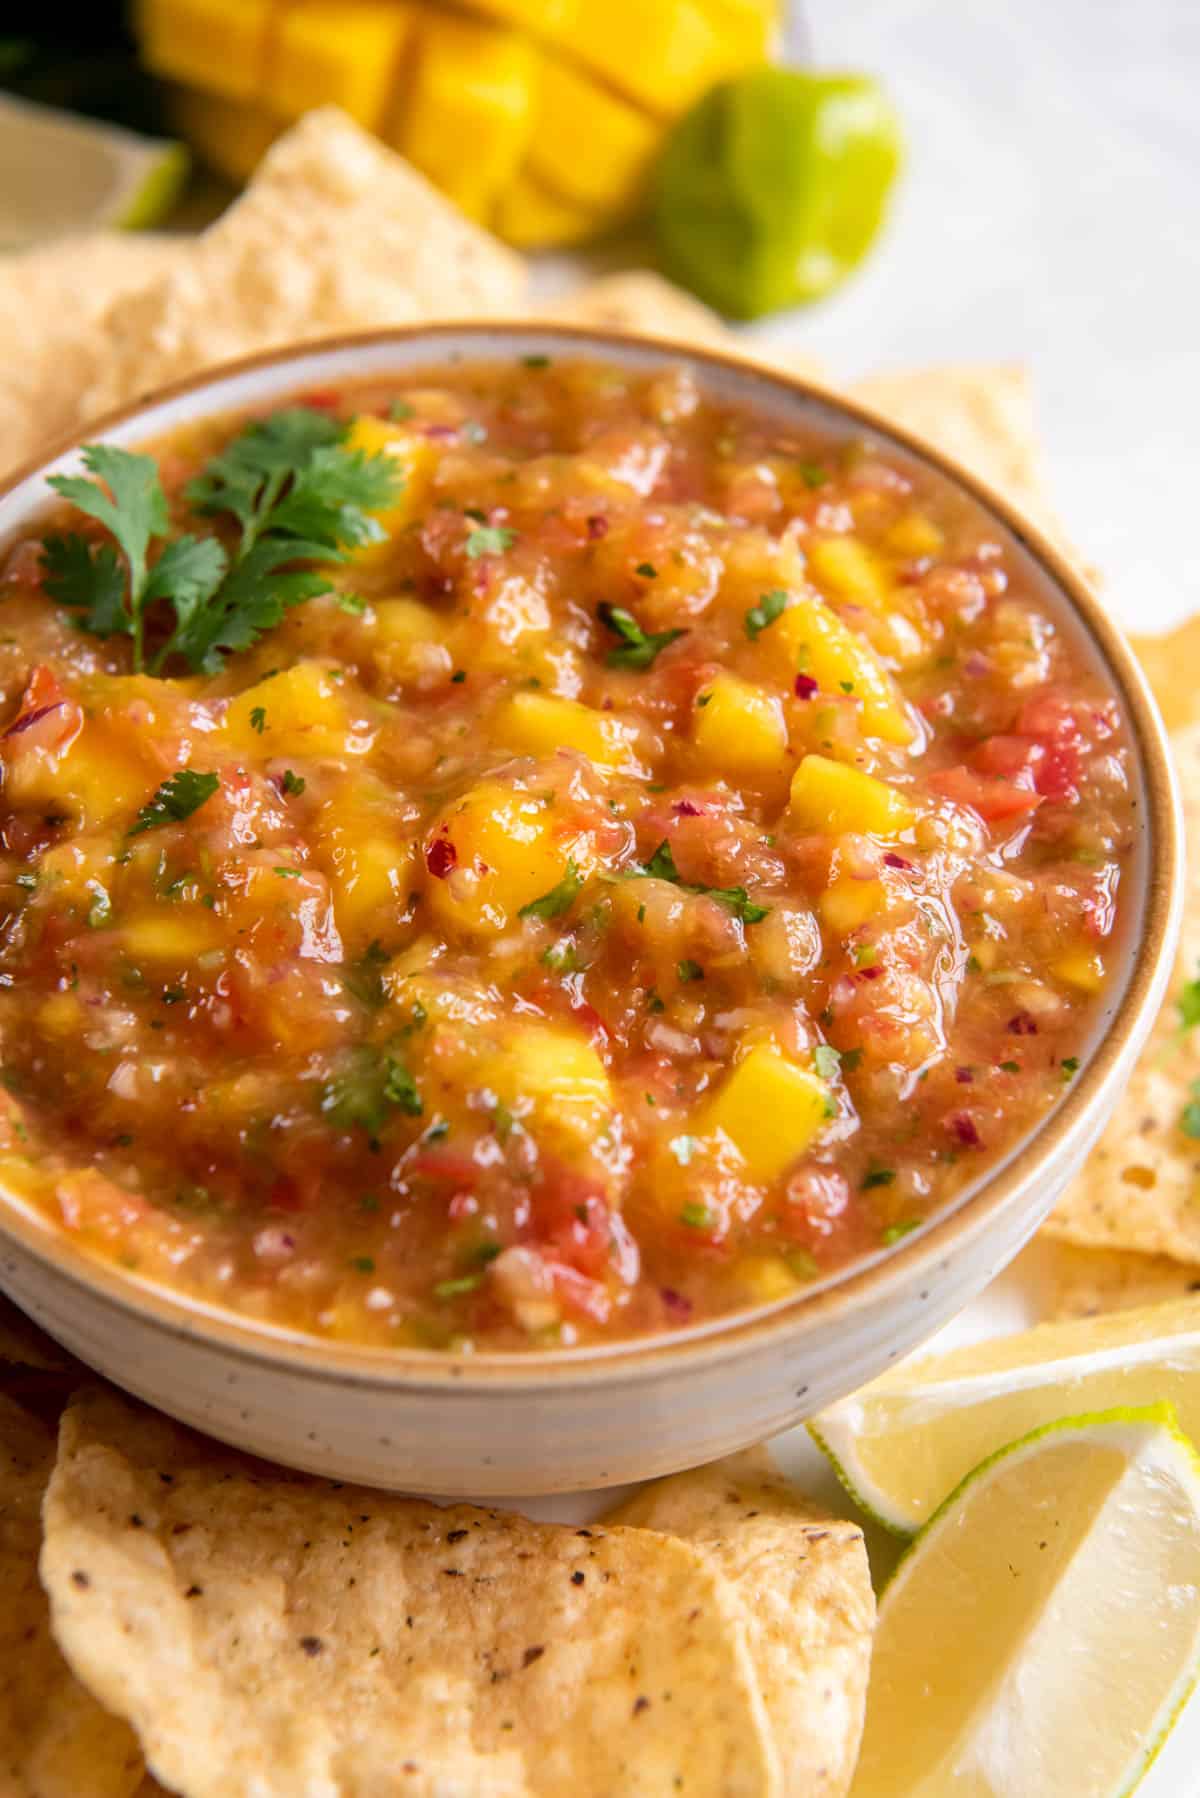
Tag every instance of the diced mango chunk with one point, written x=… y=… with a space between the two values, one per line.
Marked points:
x=831 y=798
x=336 y=53
x=913 y=536
x=738 y=729
x=492 y=852
x=770 y=1107
x=589 y=144
x=551 y=1076
x=369 y=869
x=415 y=458
x=537 y=724
x=529 y=216
x=663 y=56
x=172 y=938
x=298 y=712
x=817 y=643
x=848 y=571
x=216 y=44
x=767 y=1277
x=468 y=113
x=847 y=904
x=1081 y=968
x=95 y=780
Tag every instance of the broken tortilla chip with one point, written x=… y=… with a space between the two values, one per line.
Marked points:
x=1064 y=1280
x=335 y=233
x=641 y=303
x=270 y=1634
x=1140 y=1188
x=808 y=1608
x=55 y=1740
x=23 y=1345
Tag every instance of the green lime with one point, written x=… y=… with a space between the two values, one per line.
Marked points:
x=66 y=173
x=773 y=188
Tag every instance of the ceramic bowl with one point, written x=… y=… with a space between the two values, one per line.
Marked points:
x=503 y=1424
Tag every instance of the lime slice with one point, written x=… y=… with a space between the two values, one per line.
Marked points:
x=902 y=1443
x=63 y=173
x=1043 y=1630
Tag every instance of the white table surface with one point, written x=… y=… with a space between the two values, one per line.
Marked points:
x=1049 y=215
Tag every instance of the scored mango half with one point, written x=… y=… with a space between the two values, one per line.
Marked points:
x=541 y=118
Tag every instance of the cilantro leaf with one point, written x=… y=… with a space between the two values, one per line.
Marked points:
x=1189 y=1005
x=89 y=578
x=369 y=1086
x=769 y=606
x=126 y=497
x=638 y=648
x=176 y=799
x=362 y=979
x=661 y=866
x=559 y=899
x=249 y=475
x=490 y=540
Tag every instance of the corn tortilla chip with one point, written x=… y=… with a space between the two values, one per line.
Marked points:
x=1140 y=1188
x=23 y=1345
x=335 y=233
x=640 y=302
x=1170 y=665
x=55 y=1741
x=1066 y=1281
x=271 y=1634
x=808 y=1608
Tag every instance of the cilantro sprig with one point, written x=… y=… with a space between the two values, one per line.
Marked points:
x=560 y=897
x=296 y=494
x=661 y=866
x=176 y=799
x=637 y=648
x=367 y=1088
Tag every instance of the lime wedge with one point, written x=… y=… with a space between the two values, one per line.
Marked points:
x=902 y=1443
x=63 y=173
x=1042 y=1632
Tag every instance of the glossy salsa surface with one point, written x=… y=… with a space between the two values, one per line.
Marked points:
x=662 y=865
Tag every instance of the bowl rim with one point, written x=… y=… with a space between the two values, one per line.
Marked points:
x=864 y=1283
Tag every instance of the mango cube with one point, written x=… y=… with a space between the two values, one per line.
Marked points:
x=913 y=536
x=415 y=459
x=216 y=44
x=830 y=798
x=530 y=217
x=553 y=1076
x=849 y=572
x=492 y=852
x=468 y=111
x=817 y=643
x=588 y=143
x=770 y=1108
x=369 y=869
x=298 y=712
x=662 y=56
x=538 y=724
x=738 y=729
x=847 y=904
x=1081 y=968
x=336 y=53
x=171 y=938
x=767 y=1277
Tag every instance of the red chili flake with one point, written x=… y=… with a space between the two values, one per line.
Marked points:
x=964 y=1076
x=1022 y=1025
x=677 y=1306
x=441 y=857
x=962 y=1127
x=686 y=808
x=597 y=526
x=871 y=973
x=806 y=686
x=31 y=718
x=892 y=860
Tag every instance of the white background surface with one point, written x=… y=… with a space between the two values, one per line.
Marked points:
x=1050 y=215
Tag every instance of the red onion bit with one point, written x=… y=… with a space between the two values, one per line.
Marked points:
x=892 y=860
x=1022 y=1025
x=31 y=718
x=963 y=1129
x=441 y=857
x=806 y=686
x=597 y=526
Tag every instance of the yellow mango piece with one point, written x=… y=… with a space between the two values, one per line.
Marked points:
x=550 y=19
x=766 y=1277
x=216 y=44
x=537 y=724
x=588 y=143
x=507 y=853
x=1081 y=968
x=97 y=779
x=416 y=460
x=550 y=1077
x=172 y=936
x=336 y=53
x=831 y=798
x=232 y=136
x=913 y=536
x=817 y=643
x=302 y=713
x=530 y=217
x=747 y=27
x=61 y=1015
x=770 y=1107
x=739 y=730
x=468 y=109
x=663 y=56
x=369 y=867
x=847 y=904
x=847 y=571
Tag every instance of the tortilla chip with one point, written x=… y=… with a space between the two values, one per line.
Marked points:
x=50 y=300
x=1170 y=665
x=1063 y=1280
x=55 y=1741
x=808 y=1608
x=23 y=1345
x=1140 y=1188
x=639 y=302
x=334 y=234
x=272 y=1634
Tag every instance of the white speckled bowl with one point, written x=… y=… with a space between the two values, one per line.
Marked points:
x=545 y=1422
